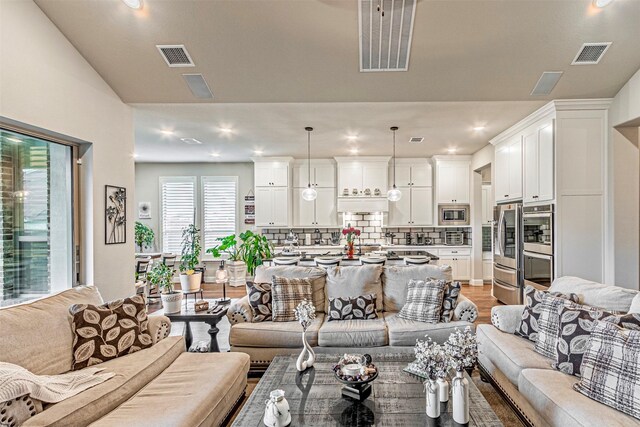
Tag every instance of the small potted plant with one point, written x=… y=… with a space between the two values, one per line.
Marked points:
x=189 y=259
x=143 y=236
x=160 y=276
x=350 y=234
x=243 y=255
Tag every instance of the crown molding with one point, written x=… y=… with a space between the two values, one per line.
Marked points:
x=272 y=159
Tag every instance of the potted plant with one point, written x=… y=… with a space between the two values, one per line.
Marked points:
x=255 y=249
x=189 y=259
x=244 y=255
x=143 y=236
x=160 y=276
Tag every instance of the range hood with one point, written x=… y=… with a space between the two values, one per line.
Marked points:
x=362 y=204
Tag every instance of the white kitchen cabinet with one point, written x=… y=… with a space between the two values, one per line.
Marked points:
x=538 y=163
x=271 y=174
x=411 y=173
x=374 y=175
x=400 y=211
x=317 y=213
x=362 y=173
x=415 y=207
x=508 y=173
x=272 y=206
x=452 y=181
x=487 y=205
x=487 y=270
x=323 y=174
x=460 y=266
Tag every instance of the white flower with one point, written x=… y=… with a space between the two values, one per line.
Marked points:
x=461 y=349
x=305 y=312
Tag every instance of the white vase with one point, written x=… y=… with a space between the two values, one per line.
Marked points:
x=433 y=400
x=190 y=282
x=171 y=303
x=277 y=413
x=460 y=396
x=305 y=361
x=237 y=273
x=443 y=389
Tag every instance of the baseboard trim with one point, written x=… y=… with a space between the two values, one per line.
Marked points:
x=476 y=282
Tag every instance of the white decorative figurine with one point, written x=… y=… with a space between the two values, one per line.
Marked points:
x=305 y=312
x=277 y=413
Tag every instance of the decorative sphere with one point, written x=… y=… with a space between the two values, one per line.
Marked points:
x=309 y=194
x=394 y=195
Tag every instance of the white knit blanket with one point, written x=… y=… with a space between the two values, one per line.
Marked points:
x=16 y=381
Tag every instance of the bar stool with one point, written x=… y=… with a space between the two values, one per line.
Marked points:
x=418 y=260
x=169 y=260
x=372 y=260
x=327 y=262
x=286 y=261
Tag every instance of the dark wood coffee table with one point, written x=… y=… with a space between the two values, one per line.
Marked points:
x=188 y=315
x=398 y=398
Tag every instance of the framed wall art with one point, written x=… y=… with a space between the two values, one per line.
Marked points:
x=115 y=221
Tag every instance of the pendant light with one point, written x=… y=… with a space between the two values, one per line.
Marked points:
x=394 y=194
x=309 y=194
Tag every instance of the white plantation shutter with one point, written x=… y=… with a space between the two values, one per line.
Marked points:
x=219 y=199
x=178 y=199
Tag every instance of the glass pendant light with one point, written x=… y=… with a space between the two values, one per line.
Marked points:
x=394 y=194
x=309 y=194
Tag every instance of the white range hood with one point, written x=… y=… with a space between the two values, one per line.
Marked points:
x=362 y=204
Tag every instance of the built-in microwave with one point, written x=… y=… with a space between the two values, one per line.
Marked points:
x=453 y=215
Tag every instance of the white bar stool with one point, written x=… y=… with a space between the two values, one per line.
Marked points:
x=286 y=261
x=373 y=260
x=416 y=260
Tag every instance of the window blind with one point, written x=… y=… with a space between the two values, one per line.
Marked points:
x=219 y=196
x=178 y=198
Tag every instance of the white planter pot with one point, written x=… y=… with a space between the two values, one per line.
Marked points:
x=237 y=272
x=172 y=303
x=433 y=399
x=190 y=282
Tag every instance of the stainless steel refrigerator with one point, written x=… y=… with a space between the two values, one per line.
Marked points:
x=507 y=253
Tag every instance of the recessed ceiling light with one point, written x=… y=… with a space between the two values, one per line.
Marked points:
x=452 y=150
x=602 y=3
x=134 y=155
x=352 y=137
x=133 y=4
x=225 y=130
x=354 y=151
x=166 y=132
x=214 y=154
x=191 y=141
x=257 y=152
x=478 y=128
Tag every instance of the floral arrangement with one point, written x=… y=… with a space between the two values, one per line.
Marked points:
x=305 y=312
x=367 y=371
x=430 y=359
x=461 y=349
x=351 y=233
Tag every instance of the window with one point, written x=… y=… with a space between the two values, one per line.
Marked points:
x=36 y=217
x=178 y=207
x=219 y=199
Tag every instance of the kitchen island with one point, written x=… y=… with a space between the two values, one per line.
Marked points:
x=390 y=255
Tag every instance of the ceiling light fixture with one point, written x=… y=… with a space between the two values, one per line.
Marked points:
x=309 y=194
x=257 y=152
x=478 y=128
x=394 y=194
x=602 y=3
x=166 y=132
x=452 y=150
x=214 y=154
x=225 y=130
x=191 y=141
x=133 y=4
x=352 y=137
x=354 y=151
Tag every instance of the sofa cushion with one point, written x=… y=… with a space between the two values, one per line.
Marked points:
x=635 y=304
x=404 y=333
x=510 y=353
x=353 y=333
x=206 y=385
x=396 y=278
x=551 y=395
x=264 y=274
x=351 y=281
x=37 y=335
x=362 y=307
x=133 y=372
x=274 y=334
x=424 y=300
x=611 y=298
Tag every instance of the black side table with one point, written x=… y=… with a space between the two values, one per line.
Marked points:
x=189 y=315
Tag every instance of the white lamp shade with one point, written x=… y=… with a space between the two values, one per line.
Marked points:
x=222 y=275
x=309 y=194
x=394 y=195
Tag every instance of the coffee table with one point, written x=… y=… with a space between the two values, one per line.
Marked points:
x=398 y=398
x=188 y=315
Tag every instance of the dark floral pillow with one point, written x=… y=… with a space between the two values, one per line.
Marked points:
x=450 y=301
x=575 y=329
x=260 y=301
x=353 y=308
x=528 y=327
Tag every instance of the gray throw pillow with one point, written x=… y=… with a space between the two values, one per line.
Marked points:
x=424 y=301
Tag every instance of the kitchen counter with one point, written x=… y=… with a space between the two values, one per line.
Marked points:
x=392 y=255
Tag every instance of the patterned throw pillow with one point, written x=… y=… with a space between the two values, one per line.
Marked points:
x=286 y=294
x=260 y=301
x=528 y=327
x=450 y=301
x=108 y=331
x=575 y=328
x=610 y=368
x=353 y=308
x=424 y=301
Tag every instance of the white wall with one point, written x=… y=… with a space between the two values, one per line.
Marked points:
x=148 y=186
x=46 y=83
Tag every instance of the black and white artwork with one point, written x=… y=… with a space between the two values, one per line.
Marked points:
x=115 y=222
x=144 y=210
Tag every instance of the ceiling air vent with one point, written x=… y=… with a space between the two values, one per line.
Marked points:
x=175 y=55
x=191 y=141
x=591 y=53
x=198 y=86
x=416 y=139
x=386 y=28
x=546 y=83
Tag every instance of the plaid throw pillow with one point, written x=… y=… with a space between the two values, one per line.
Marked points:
x=574 y=331
x=260 y=301
x=286 y=294
x=450 y=301
x=424 y=301
x=610 y=368
x=528 y=327
x=351 y=308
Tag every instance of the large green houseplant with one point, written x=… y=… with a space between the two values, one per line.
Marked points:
x=245 y=252
x=190 y=258
x=143 y=236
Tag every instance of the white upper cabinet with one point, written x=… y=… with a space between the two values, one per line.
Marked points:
x=411 y=173
x=487 y=205
x=272 y=192
x=362 y=173
x=374 y=175
x=271 y=173
x=538 y=163
x=400 y=211
x=323 y=174
x=508 y=173
x=320 y=212
x=415 y=207
x=452 y=180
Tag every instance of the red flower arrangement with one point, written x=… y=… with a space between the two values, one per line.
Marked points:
x=351 y=233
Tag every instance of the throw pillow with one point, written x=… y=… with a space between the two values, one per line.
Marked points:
x=528 y=327
x=575 y=328
x=610 y=368
x=353 y=308
x=549 y=323
x=286 y=294
x=424 y=301
x=450 y=301
x=260 y=301
x=108 y=331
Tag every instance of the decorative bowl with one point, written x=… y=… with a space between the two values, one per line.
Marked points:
x=355 y=383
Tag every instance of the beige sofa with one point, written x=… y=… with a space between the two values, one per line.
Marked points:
x=264 y=340
x=159 y=386
x=542 y=395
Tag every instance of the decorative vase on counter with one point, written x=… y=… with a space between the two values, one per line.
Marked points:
x=460 y=396
x=443 y=389
x=277 y=412
x=350 y=249
x=433 y=400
